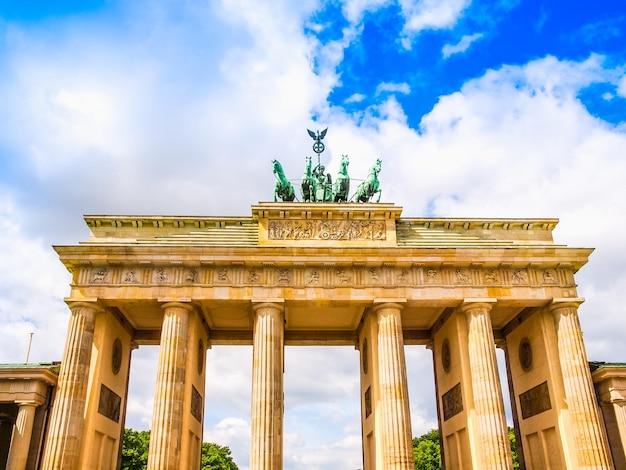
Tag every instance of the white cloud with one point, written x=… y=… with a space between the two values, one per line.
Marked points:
x=354 y=10
x=32 y=286
x=421 y=15
x=386 y=87
x=463 y=45
x=234 y=433
x=355 y=98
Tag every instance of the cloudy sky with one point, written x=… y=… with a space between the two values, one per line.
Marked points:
x=504 y=108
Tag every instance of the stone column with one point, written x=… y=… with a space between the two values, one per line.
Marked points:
x=167 y=415
x=395 y=449
x=491 y=429
x=266 y=443
x=620 y=417
x=589 y=438
x=66 y=423
x=502 y=344
x=22 y=433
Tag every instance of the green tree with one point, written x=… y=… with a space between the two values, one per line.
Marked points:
x=135 y=449
x=135 y=453
x=427 y=451
x=513 y=443
x=215 y=457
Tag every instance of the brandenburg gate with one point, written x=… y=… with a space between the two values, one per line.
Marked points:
x=326 y=273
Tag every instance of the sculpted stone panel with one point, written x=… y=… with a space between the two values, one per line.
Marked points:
x=329 y=275
x=327 y=230
x=196 y=404
x=109 y=403
x=452 y=402
x=535 y=401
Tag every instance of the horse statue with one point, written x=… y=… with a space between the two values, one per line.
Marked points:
x=307 y=184
x=369 y=187
x=283 y=188
x=342 y=184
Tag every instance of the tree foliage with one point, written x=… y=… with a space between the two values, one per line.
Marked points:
x=427 y=450
x=513 y=442
x=215 y=457
x=135 y=453
x=135 y=449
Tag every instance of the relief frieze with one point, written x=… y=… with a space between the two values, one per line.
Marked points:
x=403 y=276
x=327 y=276
x=535 y=401
x=109 y=403
x=191 y=276
x=549 y=277
x=283 y=276
x=161 y=276
x=432 y=276
x=327 y=230
x=313 y=277
x=221 y=275
x=519 y=277
x=254 y=276
x=452 y=402
x=462 y=276
x=196 y=404
x=343 y=277
x=490 y=276
x=101 y=276
x=130 y=277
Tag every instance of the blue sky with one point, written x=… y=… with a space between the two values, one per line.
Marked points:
x=477 y=109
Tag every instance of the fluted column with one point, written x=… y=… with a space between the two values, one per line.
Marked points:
x=22 y=433
x=66 y=423
x=266 y=444
x=491 y=428
x=393 y=407
x=589 y=438
x=620 y=416
x=167 y=415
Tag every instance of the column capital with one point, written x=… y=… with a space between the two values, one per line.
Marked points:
x=278 y=304
x=565 y=302
x=472 y=303
x=28 y=403
x=178 y=303
x=397 y=304
x=91 y=303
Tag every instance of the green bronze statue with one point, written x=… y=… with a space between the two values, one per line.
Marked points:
x=307 y=184
x=369 y=187
x=323 y=184
x=282 y=188
x=342 y=184
x=317 y=186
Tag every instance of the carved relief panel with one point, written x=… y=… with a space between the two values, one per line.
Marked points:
x=329 y=275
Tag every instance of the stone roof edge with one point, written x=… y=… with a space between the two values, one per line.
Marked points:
x=133 y=220
x=48 y=372
x=428 y=222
